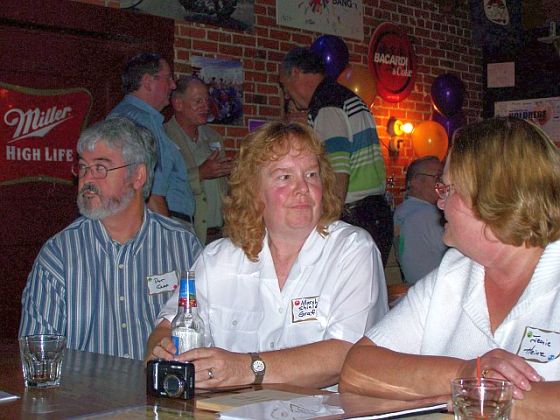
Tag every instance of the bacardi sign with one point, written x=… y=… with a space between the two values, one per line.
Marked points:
x=392 y=62
x=38 y=132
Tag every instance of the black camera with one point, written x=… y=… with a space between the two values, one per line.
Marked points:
x=170 y=379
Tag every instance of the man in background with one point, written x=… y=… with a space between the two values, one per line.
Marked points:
x=418 y=226
x=147 y=83
x=102 y=280
x=346 y=127
x=202 y=151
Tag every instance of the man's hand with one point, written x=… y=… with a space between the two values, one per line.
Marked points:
x=215 y=166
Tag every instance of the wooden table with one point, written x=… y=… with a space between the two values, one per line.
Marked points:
x=98 y=384
x=91 y=383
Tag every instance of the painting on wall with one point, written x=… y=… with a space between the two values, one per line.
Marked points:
x=232 y=14
x=336 y=17
x=224 y=79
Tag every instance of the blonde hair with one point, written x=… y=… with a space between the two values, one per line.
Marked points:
x=243 y=207
x=509 y=171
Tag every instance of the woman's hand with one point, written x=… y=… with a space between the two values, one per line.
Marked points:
x=165 y=349
x=215 y=367
x=501 y=364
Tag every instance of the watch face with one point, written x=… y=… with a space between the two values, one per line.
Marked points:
x=258 y=366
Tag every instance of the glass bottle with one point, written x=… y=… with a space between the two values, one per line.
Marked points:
x=187 y=328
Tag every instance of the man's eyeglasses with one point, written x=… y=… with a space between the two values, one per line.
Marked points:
x=435 y=177
x=168 y=77
x=97 y=171
x=443 y=190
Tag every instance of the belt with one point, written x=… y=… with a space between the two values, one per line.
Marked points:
x=365 y=200
x=214 y=231
x=181 y=216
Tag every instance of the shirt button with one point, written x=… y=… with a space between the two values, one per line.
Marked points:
x=234 y=322
x=121 y=266
x=280 y=310
x=121 y=298
x=123 y=325
x=272 y=345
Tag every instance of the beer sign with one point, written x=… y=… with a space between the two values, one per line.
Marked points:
x=38 y=132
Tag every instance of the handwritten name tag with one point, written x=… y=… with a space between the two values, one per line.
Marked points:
x=304 y=309
x=158 y=283
x=540 y=346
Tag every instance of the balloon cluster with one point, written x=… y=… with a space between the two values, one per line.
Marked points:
x=335 y=55
x=432 y=137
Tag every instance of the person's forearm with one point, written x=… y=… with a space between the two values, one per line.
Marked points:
x=314 y=365
x=341 y=186
x=541 y=402
x=161 y=331
x=379 y=372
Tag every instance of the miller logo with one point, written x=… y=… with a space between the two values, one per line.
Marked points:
x=34 y=122
x=39 y=129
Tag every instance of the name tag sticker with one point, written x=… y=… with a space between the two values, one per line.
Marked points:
x=304 y=309
x=158 y=283
x=540 y=346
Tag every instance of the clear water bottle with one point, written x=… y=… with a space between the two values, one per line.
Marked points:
x=187 y=328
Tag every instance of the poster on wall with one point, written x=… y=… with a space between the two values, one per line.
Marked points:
x=38 y=131
x=232 y=14
x=544 y=112
x=224 y=79
x=336 y=17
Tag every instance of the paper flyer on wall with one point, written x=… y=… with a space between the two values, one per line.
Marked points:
x=544 y=112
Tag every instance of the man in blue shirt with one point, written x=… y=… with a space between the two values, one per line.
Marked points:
x=103 y=279
x=418 y=222
x=148 y=82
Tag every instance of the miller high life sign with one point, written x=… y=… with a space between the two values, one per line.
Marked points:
x=38 y=132
x=392 y=62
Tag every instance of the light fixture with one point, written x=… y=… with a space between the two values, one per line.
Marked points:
x=397 y=130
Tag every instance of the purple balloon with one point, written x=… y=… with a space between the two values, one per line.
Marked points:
x=448 y=94
x=450 y=124
x=334 y=52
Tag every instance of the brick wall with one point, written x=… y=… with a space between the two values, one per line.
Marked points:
x=439 y=31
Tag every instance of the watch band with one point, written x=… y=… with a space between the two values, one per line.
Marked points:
x=258 y=367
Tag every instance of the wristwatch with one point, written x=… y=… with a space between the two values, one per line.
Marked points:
x=258 y=367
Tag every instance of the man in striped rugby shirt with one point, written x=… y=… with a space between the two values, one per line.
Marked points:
x=346 y=127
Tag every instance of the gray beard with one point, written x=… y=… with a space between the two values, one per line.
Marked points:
x=108 y=207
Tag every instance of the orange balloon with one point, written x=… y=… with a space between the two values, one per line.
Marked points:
x=429 y=138
x=360 y=81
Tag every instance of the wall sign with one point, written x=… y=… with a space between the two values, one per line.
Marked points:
x=38 y=132
x=392 y=62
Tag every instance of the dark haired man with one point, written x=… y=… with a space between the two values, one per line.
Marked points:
x=346 y=127
x=147 y=82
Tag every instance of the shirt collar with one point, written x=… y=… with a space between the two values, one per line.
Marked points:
x=139 y=103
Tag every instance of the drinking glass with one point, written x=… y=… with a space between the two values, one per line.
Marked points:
x=41 y=359
x=484 y=399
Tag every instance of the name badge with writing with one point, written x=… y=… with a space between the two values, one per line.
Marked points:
x=540 y=346
x=158 y=283
x=304 y=309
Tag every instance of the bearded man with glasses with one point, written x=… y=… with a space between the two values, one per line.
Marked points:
x=103 y=279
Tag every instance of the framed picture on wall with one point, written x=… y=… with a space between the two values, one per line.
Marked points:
x=232 y=14
x=224 y=79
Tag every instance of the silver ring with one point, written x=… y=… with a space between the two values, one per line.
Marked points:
x=210 y=374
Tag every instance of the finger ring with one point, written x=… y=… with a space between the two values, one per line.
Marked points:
x=484 y=372
x=210 y=374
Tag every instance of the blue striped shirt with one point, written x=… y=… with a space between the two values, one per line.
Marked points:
x=94 y=290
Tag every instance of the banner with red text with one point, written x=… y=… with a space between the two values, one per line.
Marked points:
x=544 y=112
x=39 y=129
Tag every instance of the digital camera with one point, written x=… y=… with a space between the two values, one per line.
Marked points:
x=170 y=379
